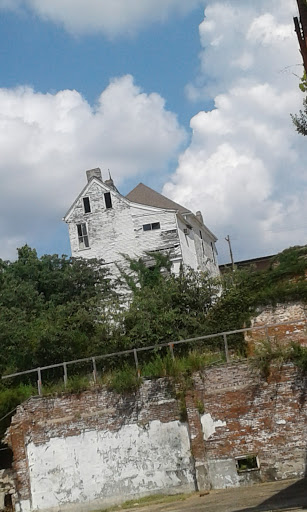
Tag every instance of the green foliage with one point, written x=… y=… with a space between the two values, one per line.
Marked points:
x=303 y=83
x=298 y=356
x=245 y=290
x=300 y=120
x=200 y=407
x=165 y=307
x=270 y=352
x=9 y=399
x=124 y=380
x=55 y=308
x=52 y=309
x=267 y=353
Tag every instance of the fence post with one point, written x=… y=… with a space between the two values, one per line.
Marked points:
x=65 y=374
x=94 y=370
x=39 y=381
x=267 y=333
x=171 y=347
x=136 y=362
x=226 y=347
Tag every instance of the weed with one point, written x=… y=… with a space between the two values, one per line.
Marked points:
x=148 y=500
x=124 y=380
x=200 y=407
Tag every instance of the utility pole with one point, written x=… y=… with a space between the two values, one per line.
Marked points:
x=227 y=238
x=301 y=29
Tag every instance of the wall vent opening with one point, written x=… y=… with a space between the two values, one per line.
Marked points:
x=247 y=463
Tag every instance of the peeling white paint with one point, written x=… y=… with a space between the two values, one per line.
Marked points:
x=97 y=465
x=209 y=425
x=116 y=231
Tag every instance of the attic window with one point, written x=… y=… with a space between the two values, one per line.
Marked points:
x=82 y=236
x=86 y=205
x=108 y=200
x=150 y=227
x=247 y=463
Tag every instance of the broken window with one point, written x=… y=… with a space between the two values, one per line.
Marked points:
x=108 y=200
x=247 y=463
x=150 y=227
x=86 y=205
x=202 y=243
x=6 y=457
x=213 y=254
x=82 y=236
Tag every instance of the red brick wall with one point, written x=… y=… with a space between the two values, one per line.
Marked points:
x=250 y=415
x=266 y=418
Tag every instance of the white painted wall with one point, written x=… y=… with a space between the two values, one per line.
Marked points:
x=106 y=467
x=119 y=230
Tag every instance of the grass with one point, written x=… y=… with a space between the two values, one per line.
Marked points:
x=270 y=352
x=121 y=381
x=153 y=499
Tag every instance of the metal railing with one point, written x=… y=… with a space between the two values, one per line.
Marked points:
x=135 y=352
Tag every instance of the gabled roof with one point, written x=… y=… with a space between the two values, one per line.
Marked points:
x=142 y=194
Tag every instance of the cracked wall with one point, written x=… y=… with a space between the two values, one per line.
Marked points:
x=96 y=448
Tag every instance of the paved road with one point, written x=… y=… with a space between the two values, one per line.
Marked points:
x=287 y=495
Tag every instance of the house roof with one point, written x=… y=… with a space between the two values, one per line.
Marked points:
x=142 y=194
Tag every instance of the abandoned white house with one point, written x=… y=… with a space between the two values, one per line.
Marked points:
x=104 y=224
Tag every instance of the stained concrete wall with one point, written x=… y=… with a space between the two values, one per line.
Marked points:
x=95 y=449
x=105 y=467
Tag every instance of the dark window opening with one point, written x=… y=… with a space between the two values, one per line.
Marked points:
x=86 y=205
x=247 y=463
x=108 y=200
x=8 y=502
x=82 y=236
x=212 y=248
x=6 y=458
x=150 y=227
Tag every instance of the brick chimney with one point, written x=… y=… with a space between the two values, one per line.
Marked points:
x=199 y=217
x=110 y=183
x=93 y=173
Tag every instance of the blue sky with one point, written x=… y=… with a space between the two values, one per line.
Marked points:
x=191 y=97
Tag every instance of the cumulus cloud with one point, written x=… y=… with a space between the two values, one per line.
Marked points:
x=47 y=141
x=245 y=166
x=110 y=17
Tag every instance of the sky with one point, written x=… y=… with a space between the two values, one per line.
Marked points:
x=191 y=97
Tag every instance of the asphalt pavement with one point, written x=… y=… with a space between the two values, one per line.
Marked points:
x=285 y=495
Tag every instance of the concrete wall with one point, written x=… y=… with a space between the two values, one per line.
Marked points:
x=97 y=448
x=92 y=450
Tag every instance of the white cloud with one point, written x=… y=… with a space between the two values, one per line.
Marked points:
x=245 y=166
x=111 y=17
x=47 y=141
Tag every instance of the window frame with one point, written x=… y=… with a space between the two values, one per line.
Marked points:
x=108 y=200
x=83 y=237
x=89 y=204
x=246 y=457
x=151 y=226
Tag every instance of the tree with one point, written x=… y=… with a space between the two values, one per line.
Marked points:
x=52 y=309
x=165 y=307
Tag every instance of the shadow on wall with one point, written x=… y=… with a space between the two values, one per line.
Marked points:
x=294 y=495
